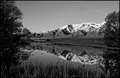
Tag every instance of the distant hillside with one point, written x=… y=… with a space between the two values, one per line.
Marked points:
x=84 y=30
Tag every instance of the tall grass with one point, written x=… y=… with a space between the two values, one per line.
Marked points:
x=51 y=70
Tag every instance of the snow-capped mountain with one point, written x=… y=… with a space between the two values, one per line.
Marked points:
x=84 y=26
x=77 y=30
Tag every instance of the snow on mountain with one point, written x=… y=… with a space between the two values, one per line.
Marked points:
x=76 y=26
x=76 y=30
x=84 y=26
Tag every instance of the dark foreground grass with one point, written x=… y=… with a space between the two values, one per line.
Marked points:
x=51 y=70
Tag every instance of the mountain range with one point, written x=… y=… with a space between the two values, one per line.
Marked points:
x=84 y=30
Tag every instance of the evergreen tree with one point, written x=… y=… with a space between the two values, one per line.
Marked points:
x=10 y=26
x=112 y=30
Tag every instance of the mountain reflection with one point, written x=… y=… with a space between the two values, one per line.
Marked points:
x=102 y=61
x=83 y=55
x=83 y=58
x=107 y=60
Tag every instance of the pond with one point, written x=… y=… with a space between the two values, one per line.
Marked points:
x=53 y=53
x=48 y=60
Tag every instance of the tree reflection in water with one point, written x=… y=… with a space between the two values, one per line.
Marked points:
x=112 y=63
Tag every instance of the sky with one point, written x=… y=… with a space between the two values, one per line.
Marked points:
x=41 y=16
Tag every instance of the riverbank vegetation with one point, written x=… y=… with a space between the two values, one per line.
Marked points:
x=52 y=70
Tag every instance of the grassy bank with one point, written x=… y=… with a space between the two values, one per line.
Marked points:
x=55 y=70
x=51 y=70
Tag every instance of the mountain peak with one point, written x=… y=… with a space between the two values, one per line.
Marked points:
x=83 y=26
x=86 y=29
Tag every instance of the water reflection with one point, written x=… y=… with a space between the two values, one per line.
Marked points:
x=83 y=58
x=78 y=54
x=97 y=61
x=112 y=63
x=90 y=57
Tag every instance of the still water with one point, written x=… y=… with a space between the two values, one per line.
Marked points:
x=52 y=53
x=89 y=58
x=47 y=60
x=99 y=60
